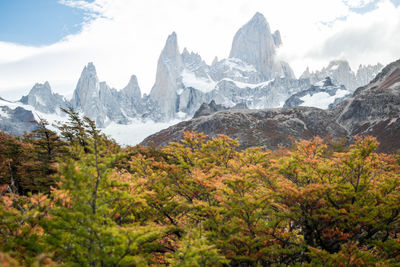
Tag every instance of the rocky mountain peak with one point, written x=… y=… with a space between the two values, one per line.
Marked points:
x=169 y=68
x=86 y=97
x=306 y=74
x=90 y=68
x=185 y=52
x=132 y=89
x=215 y=61
x=254 y=44
x=42 y=98
x=258 y=20
x=41 y=88
x=87 y=87
x=170 y=51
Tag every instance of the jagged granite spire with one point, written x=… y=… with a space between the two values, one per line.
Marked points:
x=169 y=68
x=132 y=89
x=306 y=74
x=215 y=61
x=86 y=97
x=277 y=38
x=365 y=73
x=254 y=44
x=87 y=88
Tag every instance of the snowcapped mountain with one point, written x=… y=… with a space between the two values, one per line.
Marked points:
x=373 y=110
x=105 y=105
x=254 y=44
x=341 y=74
x=251 y=76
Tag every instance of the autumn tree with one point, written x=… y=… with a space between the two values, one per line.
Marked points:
x=346 y=204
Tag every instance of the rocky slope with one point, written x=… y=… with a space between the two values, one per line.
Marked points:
x=373 y=110
x=269 y=128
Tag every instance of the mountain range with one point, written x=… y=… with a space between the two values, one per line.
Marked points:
x=372 y=110
x=252 y=76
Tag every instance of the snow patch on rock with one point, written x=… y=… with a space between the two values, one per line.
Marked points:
x=322 y=100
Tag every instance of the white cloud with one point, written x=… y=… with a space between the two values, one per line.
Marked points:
x=360 y=38
x=357 y=3
x=124 y=37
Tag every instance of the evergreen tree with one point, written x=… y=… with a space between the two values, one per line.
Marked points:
x=83 y=228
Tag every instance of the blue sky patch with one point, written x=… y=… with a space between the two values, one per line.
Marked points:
x=37 y=22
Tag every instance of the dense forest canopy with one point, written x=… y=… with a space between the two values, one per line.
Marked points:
x=79 y=199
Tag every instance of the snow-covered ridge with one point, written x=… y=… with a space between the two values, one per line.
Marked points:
x=235 y=63
x=243 y=85
x=204 y=85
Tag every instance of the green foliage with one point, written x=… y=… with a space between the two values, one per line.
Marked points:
x=83 y=229
x=195 y=250
x=198 y=202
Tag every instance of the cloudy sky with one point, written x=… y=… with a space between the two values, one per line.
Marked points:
x=52 y=40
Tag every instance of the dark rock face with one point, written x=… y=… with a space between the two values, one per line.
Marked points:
x=16 y=121
x=270 y=128
x=212 y=107
x=372 y=110
x=208 y=109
